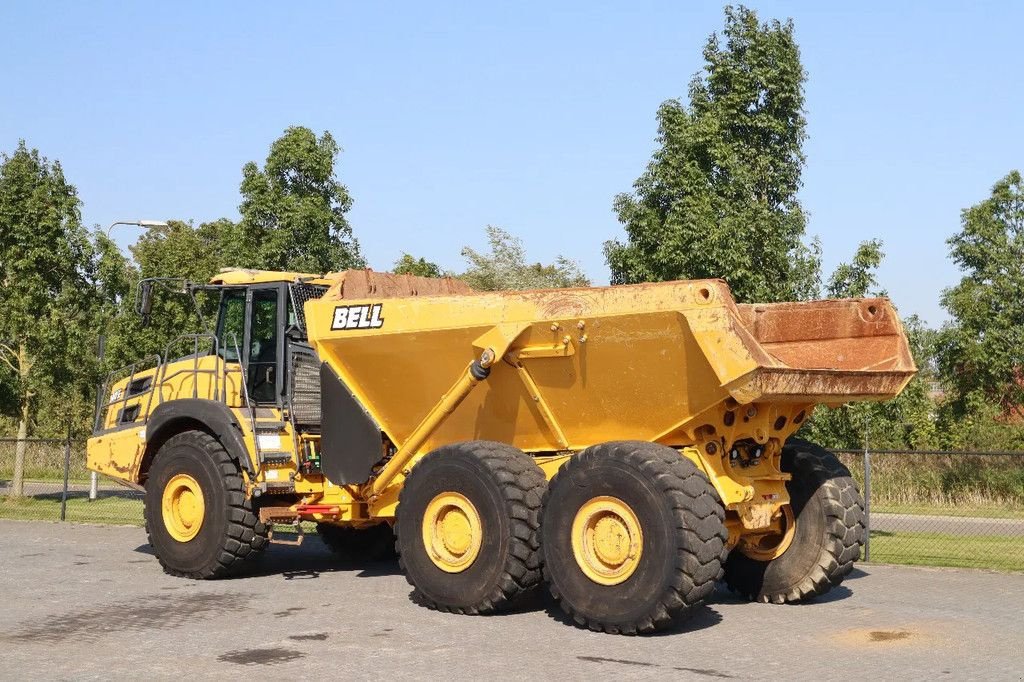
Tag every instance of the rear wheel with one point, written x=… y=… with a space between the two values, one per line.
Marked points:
x=633 y=537
x=198 y=519
x=822 y=533
x=372 y=543
x=468 y=519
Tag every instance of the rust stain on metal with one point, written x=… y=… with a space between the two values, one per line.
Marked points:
x=358 y=284
x=112 y=464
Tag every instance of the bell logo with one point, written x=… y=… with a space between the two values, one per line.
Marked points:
x=358 y=317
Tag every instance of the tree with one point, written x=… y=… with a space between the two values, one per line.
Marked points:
x=719 y=197
x=505 y=267
x=981 y=351
x=46 y=275
x=857 y=279
x=293 y=209
x=407 y=265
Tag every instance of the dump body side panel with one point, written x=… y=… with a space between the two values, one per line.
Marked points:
x=591 y=365
x=596 y=379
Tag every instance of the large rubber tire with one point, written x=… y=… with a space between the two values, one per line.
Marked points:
x=829 y=514
x=681 y=521
x=506 y=487
x=230 y=532
x=374 y=543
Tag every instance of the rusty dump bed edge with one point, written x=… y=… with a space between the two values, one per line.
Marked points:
x=356 y=284
x=823 y=351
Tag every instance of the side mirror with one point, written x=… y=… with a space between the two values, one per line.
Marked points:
x=144 y=303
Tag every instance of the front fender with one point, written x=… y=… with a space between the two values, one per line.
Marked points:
x=214 y=417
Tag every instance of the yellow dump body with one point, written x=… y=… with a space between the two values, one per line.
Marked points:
x=659 y=362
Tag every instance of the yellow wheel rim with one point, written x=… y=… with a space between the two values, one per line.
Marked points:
x=607 y=540
x=768 y=546
x=183 y=507
x=452 y=532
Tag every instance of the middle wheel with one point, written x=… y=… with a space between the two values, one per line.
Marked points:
x=633 y=537
x=467 y=526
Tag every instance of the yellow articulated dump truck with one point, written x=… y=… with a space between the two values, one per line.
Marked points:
x=627 y=446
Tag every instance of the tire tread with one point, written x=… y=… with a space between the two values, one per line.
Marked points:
x=522 y=485
x=246 y=536
x=699 y=518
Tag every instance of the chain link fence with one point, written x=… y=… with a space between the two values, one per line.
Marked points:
x=57 y=487
x=932 y=508
x=942 y=507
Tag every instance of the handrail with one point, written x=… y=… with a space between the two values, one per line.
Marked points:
x=195 y=370
x=160 y=377
x=104 y=403
x=245 y=396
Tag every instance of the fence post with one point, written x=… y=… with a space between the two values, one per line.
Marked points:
x=94 y=485
x=67 y=469
x=867 y=504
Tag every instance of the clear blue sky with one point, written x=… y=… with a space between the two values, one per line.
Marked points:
x=531 y=117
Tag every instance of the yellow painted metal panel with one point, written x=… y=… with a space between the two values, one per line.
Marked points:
x=645 y=360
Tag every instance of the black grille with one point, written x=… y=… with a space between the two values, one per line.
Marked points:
x=305 y=386
x=301 y=293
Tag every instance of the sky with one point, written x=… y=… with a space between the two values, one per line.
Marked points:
x=531 y=116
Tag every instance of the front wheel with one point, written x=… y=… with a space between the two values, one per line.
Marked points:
x=826 y=532
x=198 y=519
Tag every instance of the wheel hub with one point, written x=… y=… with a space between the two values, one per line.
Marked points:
x=452 y=532
x=183 y=507
x=607 y=540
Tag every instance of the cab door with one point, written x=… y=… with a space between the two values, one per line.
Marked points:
x=250 y=330
x=264 y=344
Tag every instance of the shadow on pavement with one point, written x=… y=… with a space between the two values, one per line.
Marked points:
x=305 y=562
x=702 y=617
x=856 y=573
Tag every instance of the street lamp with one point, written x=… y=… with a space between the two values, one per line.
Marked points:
x=137 y=223
x=94 y=479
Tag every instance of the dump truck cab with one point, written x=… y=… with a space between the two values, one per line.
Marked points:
x=254 y=373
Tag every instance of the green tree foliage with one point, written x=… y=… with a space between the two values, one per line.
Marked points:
x=981 y=351
x=293 y=209
x=719 y=197
x=505 y=267
x=857 y=278
x=975 y=424
x=407 y=265
x=48 y=280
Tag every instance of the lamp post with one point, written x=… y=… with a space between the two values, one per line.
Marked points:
x=136 y=223
x=94 y=478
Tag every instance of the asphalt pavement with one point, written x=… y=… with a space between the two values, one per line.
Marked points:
x=90 y=602
x=950 y=525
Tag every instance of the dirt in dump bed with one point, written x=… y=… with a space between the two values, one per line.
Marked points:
x=357 y=284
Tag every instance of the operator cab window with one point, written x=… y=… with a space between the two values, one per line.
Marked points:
x=231 y=332
x=263 y=346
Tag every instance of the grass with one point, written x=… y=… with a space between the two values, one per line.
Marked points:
x=114 y=510
x=952 y=485
x=1000 y=552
